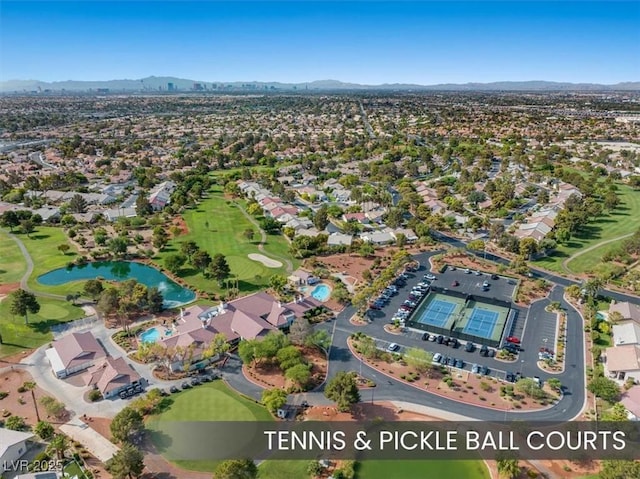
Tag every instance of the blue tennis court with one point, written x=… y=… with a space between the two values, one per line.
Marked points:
x=437 y=312
x=481 y=323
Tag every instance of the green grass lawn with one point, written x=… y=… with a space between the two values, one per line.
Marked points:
x=208 y=402
x=43 y=248
x=217 y=226
x=283 y=469
x=621 y=221
x=73 y=469
x=427 y=469
x=17 y=336
x=12 y=263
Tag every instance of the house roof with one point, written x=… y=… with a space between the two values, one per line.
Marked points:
x=78 y=348
x=302 y=274
x=623 y=358
x=110 y=374
x=628 y=333
x=631 y=400
x=627 y=310
x=10 y=438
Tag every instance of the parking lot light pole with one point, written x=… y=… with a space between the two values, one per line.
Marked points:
x=521 y=364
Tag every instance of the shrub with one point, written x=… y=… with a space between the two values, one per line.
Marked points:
x=3 y=394
x=95 y=395
x=22 y=389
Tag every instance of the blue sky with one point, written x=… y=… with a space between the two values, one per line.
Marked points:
x=299 y=41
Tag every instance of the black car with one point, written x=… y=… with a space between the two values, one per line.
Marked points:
x=484 y=350
x=484 y=370
x=195 y=382
x=123 y=395
x=440 y=339
x=491 y=353
x=174 y=389
x=510 y=377
x=163 y=392
x=451 y=362
x=459 y=363
x=494 y=277
x=469 y=347
x=425 y=336
x=454 y=343
x=519 y=376
x=511 y=348
x=185 y=385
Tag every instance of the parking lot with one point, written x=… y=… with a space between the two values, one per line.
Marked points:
x=471 y=282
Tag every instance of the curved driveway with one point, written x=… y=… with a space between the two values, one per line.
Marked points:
x=573 y=377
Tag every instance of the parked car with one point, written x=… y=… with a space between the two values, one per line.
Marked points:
x=185 y=385
x=475 y=369
x=485 y=284
x=433 y=338
x=163 y=392
x=123 y=395
x=469 y=347
x=174 y=389
x=454 y=343
x=375 y=306
x=440 y=339
x=484 y=350
x=477 y=273
x=538 y=381
x=519 y=376
x=467 y=271
x=510 y=377
x=195 y=382
x=513 y=339
x=437 y=358
x=484 y=370
x=430 y=277
x=459 y=363
x=491 y=353
x=393 y=347
x=425 y=336
x=451 y=361
x=455 y=283
x=494 y=277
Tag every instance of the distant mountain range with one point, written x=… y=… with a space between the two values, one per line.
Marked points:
x=154 y=84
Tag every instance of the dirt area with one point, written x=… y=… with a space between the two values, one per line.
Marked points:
x=269 y=375
x=462 y=386
x=572 y=470
x=21 y=404
x=180 y=223
x=351 y=264
x=8 y=288
x=364 y=412
x=15 y=358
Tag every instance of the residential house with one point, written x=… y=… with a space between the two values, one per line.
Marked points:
x=13 y=445
x=623 y=362
x=626 y=333
x=378 y=238
x=408 y=233
x=628 y=311
x=301 y=277
x=113 y=214
x=73 y=353
x=111 y=376
x=339 y=239
x=357 y=217
x=631 y=401
x=160 y=195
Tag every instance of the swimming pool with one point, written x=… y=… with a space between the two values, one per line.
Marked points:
x=321 y=292
x=150 y=336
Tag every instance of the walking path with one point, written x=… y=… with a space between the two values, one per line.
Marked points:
x=565 y=263
x=263 y=239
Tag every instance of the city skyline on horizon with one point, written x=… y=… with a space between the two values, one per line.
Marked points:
x=368 y=43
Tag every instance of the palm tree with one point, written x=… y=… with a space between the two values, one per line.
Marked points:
x=58 y=445
x=30 y=386
x=508 y=468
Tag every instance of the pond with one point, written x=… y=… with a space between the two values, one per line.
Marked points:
x=174 y=294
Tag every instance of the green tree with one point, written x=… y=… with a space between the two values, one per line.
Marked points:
x=270 y=226
x=340 y=293
x=143 y=207
x=419 y=359
x=508 y=468
x=528 y=247
x=321 y=218
x=366 y=250
x=476 y=245
x=15 y=423
x=125 y=424
x=128 y=462
x=530 y=388
x=9 y=219
x=314 y=468
x=299 y=374
x=174 y=262
x=201 y=260
x=27 y=226
x=274 y=399
x=64 y=248
x=218 y=345
x=22 y=303
x=277 y=282
x=288 y=357
x=343 y=390
x=160 y=237
x=619 y=469
x=58 y=445
x=604 y=388
x=155 y=300
x=44 y=430
x=611 y=200
x=320 y=339
x=247 y=351
x=555 y=384
x=118 y=245
x=93 y=288
x=77 y=204
x=236 y=469
x=31 y=386
x=189 y=248
x=53 y=407
x=219 y=268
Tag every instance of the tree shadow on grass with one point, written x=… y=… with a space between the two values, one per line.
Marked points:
x=188 y=272
x=40 y=236
x=44 y=326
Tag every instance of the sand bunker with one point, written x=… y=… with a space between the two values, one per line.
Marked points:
x=268 y=262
